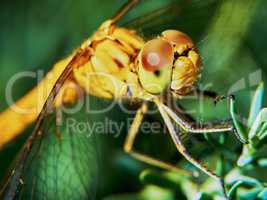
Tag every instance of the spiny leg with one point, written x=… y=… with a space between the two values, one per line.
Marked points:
x=129 y=142
x=181 y=148
x=124 y=9
x=236 y=129
x=211 y=95
x=216 y=99
x=195 y=93
x=222 y=126
x=205 y=93
x=193 y=127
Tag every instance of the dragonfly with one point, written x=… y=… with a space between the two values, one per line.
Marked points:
x=120 y=64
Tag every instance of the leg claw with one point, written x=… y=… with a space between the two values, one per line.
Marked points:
x=220 y=98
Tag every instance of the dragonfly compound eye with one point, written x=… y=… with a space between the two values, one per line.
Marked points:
x=157 y=54
x=185 y=73
x=181 y=41
x=155 y=63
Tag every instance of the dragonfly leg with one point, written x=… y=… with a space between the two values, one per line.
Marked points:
x=196 y=128
x=211 y=95
x=129 y=143
x=212 y=127
x=124 y=9
x=205 y=93
x=182 y=149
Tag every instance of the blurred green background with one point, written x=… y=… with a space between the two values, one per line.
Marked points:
x=230 y=36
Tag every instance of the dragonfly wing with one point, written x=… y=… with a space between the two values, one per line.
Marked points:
x=34 y=164
x=188 y=16
x=62 y=162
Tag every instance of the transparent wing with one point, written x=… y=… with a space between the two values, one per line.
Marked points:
x=188 y=16
x=62 y=162
x=34 y=155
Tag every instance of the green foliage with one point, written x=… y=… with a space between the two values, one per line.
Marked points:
x=244 y=186
x=255 y=131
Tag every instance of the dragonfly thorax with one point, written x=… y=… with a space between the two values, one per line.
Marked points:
x=111 y=71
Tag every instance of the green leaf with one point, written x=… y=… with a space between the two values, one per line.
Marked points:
x=263 y=194
x=261 y=138
x=124 y=197
x=246 y=182
x=150 y=177
x=256 y=104
x=241 y=132
x=232 y=191
x=262 y=162
x=157 y=193
x=203 y=196
x=251 y=194
x=261 y=118
x=247 y=156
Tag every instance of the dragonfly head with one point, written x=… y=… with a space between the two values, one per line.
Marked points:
x=169 y=60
